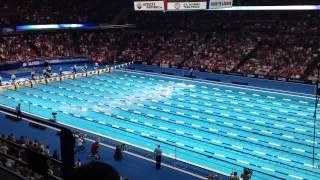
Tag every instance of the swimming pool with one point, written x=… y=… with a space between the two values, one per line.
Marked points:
x=218 y=126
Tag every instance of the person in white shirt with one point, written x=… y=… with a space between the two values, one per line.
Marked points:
x=80 y=144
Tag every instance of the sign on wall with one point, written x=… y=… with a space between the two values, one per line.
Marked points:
x=187 y=4
x=147 y=5
x=215 y=4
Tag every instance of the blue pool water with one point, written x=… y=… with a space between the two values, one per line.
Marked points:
x=221 y=127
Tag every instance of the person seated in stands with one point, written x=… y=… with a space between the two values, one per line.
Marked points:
x=35 y=145
x=118 y=152
x=246 y=175
x=10 y=163
x=22 y=140
x=18 y=111
x=47 y=151
x=3 y=148
x=234 y=176
x=12 y=138
x=55 y=155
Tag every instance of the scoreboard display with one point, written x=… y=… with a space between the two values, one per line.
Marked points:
x=180 y=5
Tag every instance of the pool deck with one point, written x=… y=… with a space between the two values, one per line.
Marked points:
x=132 y=165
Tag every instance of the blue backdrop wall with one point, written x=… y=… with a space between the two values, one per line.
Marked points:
x=254 y=82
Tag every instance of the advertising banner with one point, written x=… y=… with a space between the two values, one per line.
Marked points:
x=215 y=4
x=187 y=4
x=146 y=5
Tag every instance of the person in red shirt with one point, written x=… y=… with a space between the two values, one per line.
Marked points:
x=95 y=150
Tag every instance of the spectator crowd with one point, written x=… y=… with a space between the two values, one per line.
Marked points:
x=16 y=149
x=265 y=45
x=15 y=12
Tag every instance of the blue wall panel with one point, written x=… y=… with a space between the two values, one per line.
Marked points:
x=254 y=82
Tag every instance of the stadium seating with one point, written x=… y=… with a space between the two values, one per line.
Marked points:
x=266 y=44
x=13 y=155
x=15 y=12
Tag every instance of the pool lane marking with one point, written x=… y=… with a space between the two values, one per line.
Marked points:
x=244 y=162
x=179 y=132
x=98 y=79
x=285 y=136
x=165 y=128
x=265 y=90
x=274 y=144
x=268 y=132
x=102 y=80
x=253 y=139
x=269 y=169
x=213 y=130
x=284 y=159
x=179 y=144
x=296 y=177
x=239 y=147
x=144 y=134
x=230 y=124
x=261 y=153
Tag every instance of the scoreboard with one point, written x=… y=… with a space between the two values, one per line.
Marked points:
x=176 y=5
